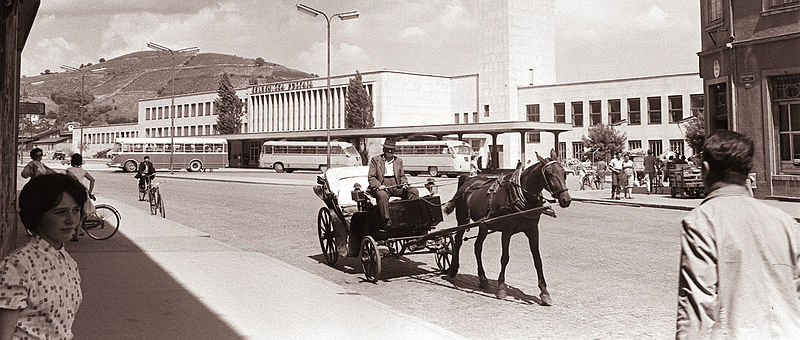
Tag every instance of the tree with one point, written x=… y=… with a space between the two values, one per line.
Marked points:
x=696 y=133
x=358 y=112
x=69 y=107
x=603 y=141
x=260 y=62
x=228 y=107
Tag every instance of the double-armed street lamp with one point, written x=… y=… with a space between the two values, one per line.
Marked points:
x=343 y=16
x=83 y=71
x=189 y=51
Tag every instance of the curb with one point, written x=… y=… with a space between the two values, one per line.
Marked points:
x=633 y=204
x=233 y=181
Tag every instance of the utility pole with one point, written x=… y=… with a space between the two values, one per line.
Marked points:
x=190 y=51
x=83 y=94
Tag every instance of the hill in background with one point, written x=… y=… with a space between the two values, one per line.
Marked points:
x=147 y=74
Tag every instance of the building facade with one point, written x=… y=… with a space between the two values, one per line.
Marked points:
x=750 y=65
x=516 y=82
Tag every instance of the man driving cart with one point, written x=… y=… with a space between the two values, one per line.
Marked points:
x=386 y=179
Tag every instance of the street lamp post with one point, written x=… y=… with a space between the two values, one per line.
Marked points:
x=343 y=16
x=190 y=51
x=83 y=94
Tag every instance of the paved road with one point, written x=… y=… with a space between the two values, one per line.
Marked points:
x=612 y=270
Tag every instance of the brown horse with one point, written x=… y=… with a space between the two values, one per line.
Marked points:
x=479 y=198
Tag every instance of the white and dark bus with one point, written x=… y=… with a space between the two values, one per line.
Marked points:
x=289 y=155
x=191 y=153
x=435 y=158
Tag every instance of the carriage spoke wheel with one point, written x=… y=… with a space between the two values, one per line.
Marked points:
x=370 y=259
x=444 y=252
x=399 y=247
x=327 y=240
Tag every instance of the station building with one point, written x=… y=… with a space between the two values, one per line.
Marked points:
x=750 y=66
x=516 y=81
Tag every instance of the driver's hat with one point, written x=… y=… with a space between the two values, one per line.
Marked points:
x=389 y=144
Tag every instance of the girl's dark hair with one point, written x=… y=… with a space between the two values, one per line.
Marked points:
x=76 y=159
x=44 y=192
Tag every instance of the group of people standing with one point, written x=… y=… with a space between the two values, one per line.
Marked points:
x=621 y=176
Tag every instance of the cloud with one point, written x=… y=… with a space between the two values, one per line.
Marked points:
x=655 y=18
x=412 y=32
x=106 y=7
x=53 y=49
x=345 y=58
x=454 y=14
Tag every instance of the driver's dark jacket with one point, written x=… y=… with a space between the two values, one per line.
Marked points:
x=145 y=168
x=377 y=169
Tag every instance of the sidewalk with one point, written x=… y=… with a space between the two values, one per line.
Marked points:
x=157 y=279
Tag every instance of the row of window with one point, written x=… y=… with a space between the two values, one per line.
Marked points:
x=655 y=145
x=195 y=130
x=714 y=8
x=465 y=116
x=303 y=150
x=179 y=147
x=422 y=150
x=634 y=110
x=107 y=137
x=185 y=110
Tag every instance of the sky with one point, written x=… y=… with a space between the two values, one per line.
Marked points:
x=595 y=39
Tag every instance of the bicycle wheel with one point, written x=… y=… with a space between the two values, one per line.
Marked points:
x=161 y=205
x=153 y=198
x=106 y=226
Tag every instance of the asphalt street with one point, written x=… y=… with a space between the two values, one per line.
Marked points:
x=611 y=270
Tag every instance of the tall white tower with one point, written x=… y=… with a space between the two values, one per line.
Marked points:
x=517 y=49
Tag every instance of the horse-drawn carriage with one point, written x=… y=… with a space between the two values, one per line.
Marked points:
x=349 y=224
x=685 y=180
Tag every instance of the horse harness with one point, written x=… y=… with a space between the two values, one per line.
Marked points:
x=516 y=193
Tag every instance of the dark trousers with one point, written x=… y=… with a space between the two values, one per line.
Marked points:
x=382 y=196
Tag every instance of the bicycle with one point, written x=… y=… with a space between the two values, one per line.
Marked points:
x=103 y=224
x=154 y=198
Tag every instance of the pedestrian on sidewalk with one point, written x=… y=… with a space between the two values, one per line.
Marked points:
x=40 y=286
x=616 y=175
x=627 y=168
x=600 y=175
x=650 y=170
x=35 y=167
x=739 y=274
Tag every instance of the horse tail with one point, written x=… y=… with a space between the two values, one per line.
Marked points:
x=451 y=205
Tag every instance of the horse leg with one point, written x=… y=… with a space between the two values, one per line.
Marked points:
x=533 y=241
x=482 y=232
x=501 y=280
x=459 y=238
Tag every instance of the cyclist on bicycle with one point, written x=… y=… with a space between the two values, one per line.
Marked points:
x=79 y=173
x=145 y=171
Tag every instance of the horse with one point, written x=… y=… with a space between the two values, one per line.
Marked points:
x=479 y=198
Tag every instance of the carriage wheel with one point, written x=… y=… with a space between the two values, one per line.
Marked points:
x=444 y=253
x=370 y=259
x=327 y=240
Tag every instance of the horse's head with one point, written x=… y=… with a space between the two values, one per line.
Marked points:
x=555 y=178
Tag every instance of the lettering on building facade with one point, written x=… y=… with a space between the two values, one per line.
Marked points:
x=297 y=85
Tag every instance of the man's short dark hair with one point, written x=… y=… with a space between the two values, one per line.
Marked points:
x=146 y=157
x=729 y=156
x=76 y=159
x=36 y=152
x=44 y=192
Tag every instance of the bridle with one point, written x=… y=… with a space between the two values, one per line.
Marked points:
x=547 y=186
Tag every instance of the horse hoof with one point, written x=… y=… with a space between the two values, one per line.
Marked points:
x=484 y=283
x=452 y=271
x=546 y=299
x=501 y=292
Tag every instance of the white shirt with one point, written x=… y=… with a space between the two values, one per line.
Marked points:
x=389 y=165
x=615 y=164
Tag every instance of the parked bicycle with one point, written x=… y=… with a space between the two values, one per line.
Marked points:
x=153 y=194
x=100 y=225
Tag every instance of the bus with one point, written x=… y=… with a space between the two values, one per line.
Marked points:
x=289 y=156
x=435 y=157
x=191 y=153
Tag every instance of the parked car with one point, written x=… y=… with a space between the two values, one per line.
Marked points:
x=59 y=155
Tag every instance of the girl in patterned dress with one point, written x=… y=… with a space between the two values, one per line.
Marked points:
x=40 y=286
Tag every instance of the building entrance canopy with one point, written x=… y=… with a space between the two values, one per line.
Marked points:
x=405 y=132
